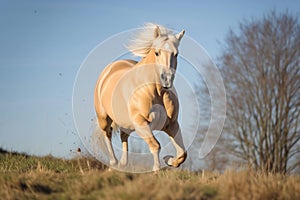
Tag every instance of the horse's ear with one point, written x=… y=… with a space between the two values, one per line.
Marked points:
x=157 y=32
x=180 y=35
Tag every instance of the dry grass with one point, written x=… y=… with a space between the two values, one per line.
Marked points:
x=26 y=177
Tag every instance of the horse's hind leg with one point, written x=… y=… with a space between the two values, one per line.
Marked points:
x=124 y=138
x=105 y=126
x=173 y=130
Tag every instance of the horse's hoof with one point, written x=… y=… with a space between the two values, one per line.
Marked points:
x=169 y=160
x=122 y=164
x=155 y=169
x=113 y=162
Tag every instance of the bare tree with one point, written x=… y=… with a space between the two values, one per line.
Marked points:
x=261 y=71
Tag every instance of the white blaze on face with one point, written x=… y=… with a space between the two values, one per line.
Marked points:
x=167 y=62
x=166 y=50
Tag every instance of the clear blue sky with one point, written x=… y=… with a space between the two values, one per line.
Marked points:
x=43 y=43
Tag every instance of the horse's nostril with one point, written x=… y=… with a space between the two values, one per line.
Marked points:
x=163 y=77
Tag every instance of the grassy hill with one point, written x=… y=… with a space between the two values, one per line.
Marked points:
x=30 y=177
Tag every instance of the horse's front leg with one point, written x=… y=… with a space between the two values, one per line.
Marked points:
x=174 y=131
x=144 y=131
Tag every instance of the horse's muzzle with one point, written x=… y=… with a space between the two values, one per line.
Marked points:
x=167 y=79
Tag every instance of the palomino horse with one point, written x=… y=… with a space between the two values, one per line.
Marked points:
x=139 y=96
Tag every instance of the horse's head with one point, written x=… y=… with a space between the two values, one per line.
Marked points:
x=165 y=48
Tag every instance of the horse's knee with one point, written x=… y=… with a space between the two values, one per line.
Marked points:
x=154 y=145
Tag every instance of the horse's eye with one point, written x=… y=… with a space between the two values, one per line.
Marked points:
x=156 y=53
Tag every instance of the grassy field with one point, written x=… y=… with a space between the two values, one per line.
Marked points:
x=30 y=177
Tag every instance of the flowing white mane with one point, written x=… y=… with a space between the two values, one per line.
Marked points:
x=143 y=41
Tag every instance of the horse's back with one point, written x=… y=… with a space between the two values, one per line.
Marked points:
x=112 y=68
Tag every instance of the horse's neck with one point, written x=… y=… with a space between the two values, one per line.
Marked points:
x=149 y=71
x=146 y=61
